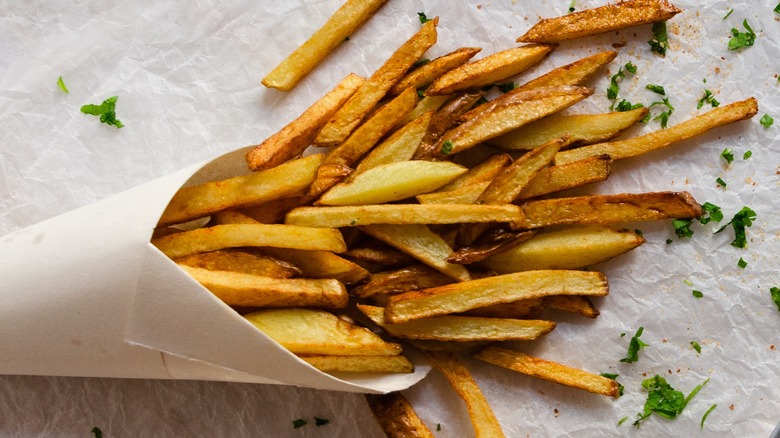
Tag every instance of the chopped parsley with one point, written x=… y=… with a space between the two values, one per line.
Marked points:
x=712 y=213
x=696 y=346
x=420 y=93
x=777 y=8
x=106 y=111
x=614 y=377
x=708 y=98
x=61 y=84
x=421 y=62
x=423 y=18
x=438 y=427
x=706 y=414
x=660 y=42
x=638 y=232
x=697 y=293
x=669 y=241
x=682 y=227
x=721 y=183
x=742 y=39
x=571 y=6
x=630 y=67
x=299 y=423
x=320 y=421
x=727 y=155
x=747 y=155
x=446 y=147
x=742 y=263
x=614 y=88
x=775 y=292
x=664 y=116
x=625 y=105
x=634 y=346
x=481 y=101
x=688 y=282
x=740 y=222
x=729 y=13
x=655 y=88
x=622 y=420
x=664 y=400
x=766 y=121
x=506 y=87
x=98 y=433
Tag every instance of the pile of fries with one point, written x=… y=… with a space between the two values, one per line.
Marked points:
x=395 y=227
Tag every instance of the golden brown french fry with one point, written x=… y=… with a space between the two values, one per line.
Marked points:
x=339 y=26
x=238 y=235
x=396 y=416
x=611 y=209
x=549 y=370
x=575 y=73
x=421 y=243
x=461 y=328
x=321 y=264
x=239 y=289
x=582 y=129
x=600 y=20
x=490 y=69
x=481 y=415
x=399 y=146
x=486 y=170
x=566 y=176
x=443 y=120
x=360 y=364
x=241 y=261
x=530 y=308
x=298 y=134
x=317 y=332
x=572 y=304
x=467 y=295
x=285 y=180
x=423 y=76
x=402 y=280
x=632 y=147
x=571 y=248
x=425 y=105
x=356 y=108
x=463 y=195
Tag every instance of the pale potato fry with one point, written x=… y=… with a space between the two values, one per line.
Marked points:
x=321 y=264
x=343 y=23
x=396 y=416
x=356 y=108
x=600 y=20
x=392 y=182
x=317 y=332
x=237 y=235
x=571 y=248
x=298 y=134
x=611 y=209
x=486 y=170
x=582 y=129
x=461 y=328
x=240 y=289
x=402 y=280
x=467 y=295
x=425 y=105
x=241 y=261
x=632 y=147
x=481 y=415
x=572 y=304
x=423 y=76
x=566 y=176
x=358 y=215
x=529 y=308
x=285 y=180
x=463 y=195
x=399 y=146
x=421 y=243
x=575 y=73
x=360 y=364
x=549 y=370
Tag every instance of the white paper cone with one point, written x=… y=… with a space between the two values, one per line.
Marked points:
x=86 y=294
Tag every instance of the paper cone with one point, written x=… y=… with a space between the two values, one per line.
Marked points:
x=86 y=294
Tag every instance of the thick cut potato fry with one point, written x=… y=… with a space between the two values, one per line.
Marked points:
x=467 y=295
x=423 y=76
x=571 y=248
x=566 y=176
x=340 y=25
x=392 y=182
x=237 y=235
x=241 y=261
x=239 y=289
x=461 y=328
x=506 y=113
x=399 y=146
x=285 y=180
x=490 y=69
x=572 y=304
x=316 y=332
x=463 y=195
x=632 y=147
x=321 y=264
x=351 y=216
x=402 y=280
x=521 y=309
x=600 y=20
x=481 y=415
x=364 y=99
x=487 y=170
x=575 y=73
x=298 y=135
x=611 y=209
x=360 y=364
x=582 y=129
x=421 y=243
x=549 y=370
x=396 y=416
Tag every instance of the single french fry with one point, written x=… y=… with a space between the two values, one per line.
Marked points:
x=467 y=295
x=611 y=209
x=285 y=180
x=240 y=289
x=343 y=23
x=360 y=364
x=321 y=264
x=600 y=20
x=237 y=235
x=399 y=146
x=582 y=129
x=463 y=195
x=549 y=370
x=523 y=309
x=364 y=99
x=396 y=416
x=421 y=243
x=481 y=415
x=486 y=170
x=401 y=280
x=632 y=147
x=241 y=261
x=566 y=176
x=575 y=73
x=461 y=328
x=572 y=304
x=571 y=248
x=423 y=76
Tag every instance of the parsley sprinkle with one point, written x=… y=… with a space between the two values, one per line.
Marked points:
x=61 y=84
x=696 y=346
x=742 y=263
x=614 y=89
x=697 y=294
x=706 y=414
x=446 y=147
x=777 y=8
x=625 y=105
x=656 y=89
x=481 y=101
x=747 y=155
x=571 y=6
x=614 y=377
x=420 y=93
x=106 y=111
x=664 y=116
x=320 y=421
x=743 y=219
x=622 y=420
x=688 y=282
x=634 y=346
x=721 y=183
x=668 y=241
x=423 y=18
x=98 y=433
x=663 y=399
x=638 y=232
x=299 y=423
x=766 y=121
x=421 y=63
x=742 y=39
x=682 y=227
x=711 y=213
x=438 y=427
x=775 y=292
x=727 y=15
x=507 y=87
x=708 y=98
x=727 y=155
x=630 y=67
x=660 y=42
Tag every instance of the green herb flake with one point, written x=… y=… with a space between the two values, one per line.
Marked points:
x=766 y=121
x=423 y=18
x=696 y=346
x=634 y=346
x=727 y=155
x=708 y=98
x=420 y=93
x=622 y=420
x=320 y=421
x=777 y=8
x=688 y=282
x=614 y=377
x=61 y=85
x=721 y=183
x=660 y=42
x=682 y=228
x=740 y=222
x=706 y=414
x=299 y=423
x=438 y=427
x=775 y=293
x=446 y=147
x=614 y=88
x=421 y=63
x=625 y=105
x=669 y=241
x=106 y=111
x=742 y=39
x=638 y=232
x=664 y=400
x=742 y=263
x=97 y=432
x=655 y=88
x=622 y=335
x=507 y=87
x=481 y=101
x=664 y=116
x=747 y=155
x=697 y=293
x=712 y=213
x=729 y=13
x=630 y=67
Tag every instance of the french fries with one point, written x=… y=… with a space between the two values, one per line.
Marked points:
x=575 y=73
x=241 y=261
x=399 y=146
x=566 y=176
x=423 y=76
x=397 y=417
x=383 y=284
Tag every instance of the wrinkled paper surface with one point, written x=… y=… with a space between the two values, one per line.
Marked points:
x=188 y=76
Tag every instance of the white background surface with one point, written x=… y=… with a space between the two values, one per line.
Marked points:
x=187 y=77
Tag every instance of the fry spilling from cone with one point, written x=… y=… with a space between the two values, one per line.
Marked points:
x=421 y=209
